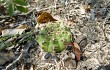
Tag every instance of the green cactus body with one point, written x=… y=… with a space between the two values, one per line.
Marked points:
x=53 y=37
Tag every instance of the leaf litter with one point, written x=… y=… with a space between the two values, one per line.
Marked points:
x=90 y=22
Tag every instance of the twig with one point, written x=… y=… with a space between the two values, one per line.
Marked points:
x=92 y=53
x=20 y=56
x=32 y=11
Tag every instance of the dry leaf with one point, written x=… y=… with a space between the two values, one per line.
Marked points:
x=2 y=27
x=83 y=43
x=22 y=27
x=45 y=17
x=8 y=32
x=39 y=13
x=77 y=51
x=17 y=30
x=87 y=8
x=6 y=56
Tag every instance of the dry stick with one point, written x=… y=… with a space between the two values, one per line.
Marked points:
x=42 y=9
x=33 y=10
x=92 y=53
x=104 y=28
x=20 y=56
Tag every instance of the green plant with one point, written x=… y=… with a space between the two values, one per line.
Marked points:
x=15 y=5
x=53 y=37
x=9 y=41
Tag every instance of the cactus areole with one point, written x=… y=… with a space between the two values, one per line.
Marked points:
x=53 y=37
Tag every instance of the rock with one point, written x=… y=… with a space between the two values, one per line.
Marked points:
x=56 y=58
x=47 y=56
x=72 y=55
x=101 y=68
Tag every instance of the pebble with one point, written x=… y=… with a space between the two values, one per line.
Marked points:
x=56 y=58
x=72 y=55
x=101 y=68
x=47 y=56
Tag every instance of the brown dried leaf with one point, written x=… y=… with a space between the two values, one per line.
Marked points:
x=45 y=17
x=2 y=10
x=2 y=27
x=87 y=8
x=77 y=51
x=22 y=27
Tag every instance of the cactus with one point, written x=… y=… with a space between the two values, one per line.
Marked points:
x=54 y=37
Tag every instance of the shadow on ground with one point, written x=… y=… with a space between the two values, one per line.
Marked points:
x=107 y=67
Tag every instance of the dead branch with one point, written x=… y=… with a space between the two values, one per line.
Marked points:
x=20 y=56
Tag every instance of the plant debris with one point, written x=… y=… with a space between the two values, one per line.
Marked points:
x=45 y=17
x=55 y=35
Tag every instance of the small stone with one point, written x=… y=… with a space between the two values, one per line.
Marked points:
x=72 y=55
x=101 y=68
x=83 y=58
x=56 y=58
x=47 y=56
